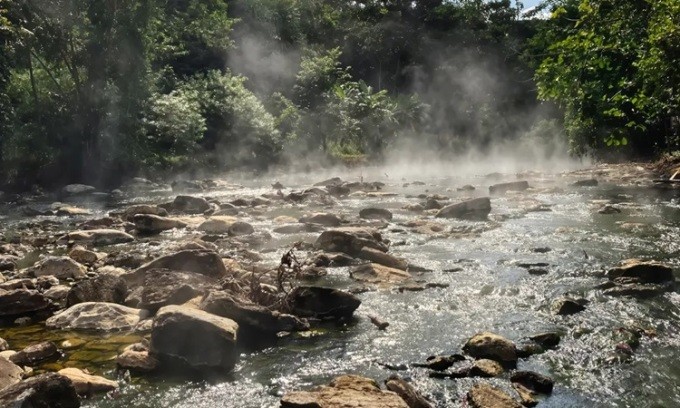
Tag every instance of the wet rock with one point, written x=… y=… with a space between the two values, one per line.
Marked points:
x=298 y=228
x=441 y=363
x=96 y=237
x=335 y=181
x=332 y=260
x=194 y=338
x=3 y=344
x=18 y=302
x=527 y=396
x=217 y=225
x=567 y=306
x=154 y=224
x=70 y=211
x=503 y=188
x=97 y=316
x=49 y=390
x=187 y=185
x=432 y=204
x=547 y=340
x=129 y=213
x=35 y=353
x=325 y=219
x=376 y=214
x=77 y=189
x=103 y=288
x=375 y=273
x=203 y=262
x=533 y=381
x=344 y=391
x=585 y=183
x=10 y=373
x=407 y=392
x=136 y=357
x=240 y=228
x=637 y=290
x=378 y=322
x=319 y=302
x=485 y=396
x=250 y=316
x=86 y=384
x=609 y=209
x=338 y=191
x=382 y=258
x=491 y=346
x=350 y=240
x=467 y=187
x=485 y=368
x=190 y=205
x=84 y=256
x=164 y=287
x=478 y=208
x=8 y=262
x=61 y=267
x=642 y=272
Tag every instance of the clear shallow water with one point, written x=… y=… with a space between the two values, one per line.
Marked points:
x=489 y=293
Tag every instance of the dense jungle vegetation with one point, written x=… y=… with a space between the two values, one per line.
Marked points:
x=98 y=90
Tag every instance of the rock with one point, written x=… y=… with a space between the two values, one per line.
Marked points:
x=467 y=187
x=136 y=357
x=441 y=363
x=77 y=189
x=96 y=237
x=49 y=390
x=194 y=338
x=527 y=396
x=10 y=373
x=609 y=209
x=3 y=344
x=567 y=306
x=375 y=273
x=319 y=302
x=492 y=346
x=97 y=316
x=103 y=288
x=511 y=186
x=376 y=214
x=378 y=322
x=164 y=287
x=187 y=185
x=250 y=316
x=61 y=267
x=642 y=272
x=70 y=211
x=478 y=208
x=382 y=258
x=35 y=353
x=547 y=340
x=190 y=204
x=298 y=228
x=485 y=368
x=350 y=240
x=18 y=302
x=8 y=262
x=217 y=224
x=240 y=228
x=485 y=396
x=407 y=392
x=335 y=181
x=533 y=381
x=129 y=213
x=86 y=384
x=642 y=291
x=585 y=183
x=83 y=256
x=199 y=261
x=325 y=219
x=154 y=224
x=344 y=392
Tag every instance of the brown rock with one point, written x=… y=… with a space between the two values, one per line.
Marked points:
x=486 y=396
x=491 y=346
x=347 y=391
x=375 y=273
x=87 y=384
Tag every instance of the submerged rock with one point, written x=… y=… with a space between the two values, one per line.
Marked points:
x=372 y=213
x=154 y=224
x=533 y=381
x=96 y=237
x=568 y=306
x=97 y=316
x=342 y=392
x=190 y=204
x=485 y=368
x=382 y=258
x=511 y=186
x=478 y=208
x=350 y=240
x=319 y=302
x=49 y=390
x=491 y=346
x=325 y=219
x=585 y=183
x=136 y=357
x=194 y=338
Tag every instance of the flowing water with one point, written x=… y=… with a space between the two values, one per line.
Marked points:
x=486 y=290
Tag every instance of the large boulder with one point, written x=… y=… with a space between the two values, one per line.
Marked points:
x=382 y=258
x=319 y=302
x=511 y=186
x=10 y=373
x=492 y=346
x=61 y=267
x=49 y=390
x=350 y=240
x=154 y=224
x=250 y=316
x=194 y=338
x=87 y=384
x=376 y=273
x=486 y=396
x=97 y=316
x=190 y=204
x=17 y=302
x=477 y=208
x=164 y=287
x=103 y=288
x=344 y=392
x=204 y=262
x=642 y=272
x=96 y=237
